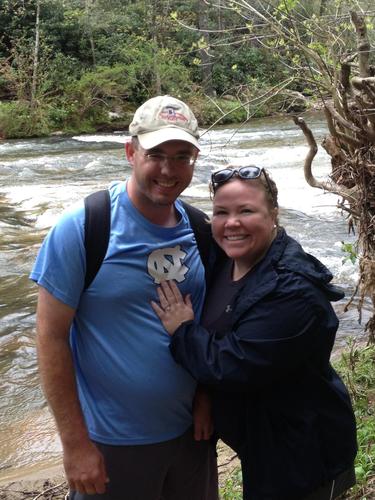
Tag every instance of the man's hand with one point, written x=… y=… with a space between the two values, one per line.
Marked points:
x=85 y=469
x=202 y=417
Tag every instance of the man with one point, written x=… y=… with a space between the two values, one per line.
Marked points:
x=123 y=407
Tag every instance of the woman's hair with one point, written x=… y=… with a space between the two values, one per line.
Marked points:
x=270 y=189
x=264 y=180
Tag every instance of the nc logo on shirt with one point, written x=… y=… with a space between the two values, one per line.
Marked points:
x=166 y=264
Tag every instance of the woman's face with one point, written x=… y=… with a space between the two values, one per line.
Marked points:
x=243 y=224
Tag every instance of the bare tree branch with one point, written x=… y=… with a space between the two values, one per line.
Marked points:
x=362 y=43
x=342 y=121
x=270 y=93
x=330 y=186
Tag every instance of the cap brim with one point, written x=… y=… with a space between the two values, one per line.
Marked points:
x=153 y=139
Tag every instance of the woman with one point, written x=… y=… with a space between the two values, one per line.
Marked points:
x=264 y=346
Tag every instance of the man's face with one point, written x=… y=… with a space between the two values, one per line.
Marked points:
x=160 y=174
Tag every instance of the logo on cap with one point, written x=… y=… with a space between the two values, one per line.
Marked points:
x=170 y=114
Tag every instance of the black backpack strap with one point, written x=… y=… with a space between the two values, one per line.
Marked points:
x=98 y=225
x=201 y=226
x=97 y=230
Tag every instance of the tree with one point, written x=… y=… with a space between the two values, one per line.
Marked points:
x=204 y=51
x=89 y=6
x=36 y=55
x=332 y=54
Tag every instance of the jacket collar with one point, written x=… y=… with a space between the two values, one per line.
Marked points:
x=263 y=277
x=285 y=253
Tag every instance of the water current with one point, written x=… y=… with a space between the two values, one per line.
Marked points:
x=41 y=177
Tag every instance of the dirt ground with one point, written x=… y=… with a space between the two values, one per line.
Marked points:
x=50 y=484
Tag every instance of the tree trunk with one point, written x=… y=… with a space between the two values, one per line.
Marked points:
x=204 y=51
x=89 y=5
x=363 y=45
x=155 y=33
x=351 y=145
x=346 y=75
x=36 y=56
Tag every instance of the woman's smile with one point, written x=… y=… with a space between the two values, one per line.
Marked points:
x=243 y=224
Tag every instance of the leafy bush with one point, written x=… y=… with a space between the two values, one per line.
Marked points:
x=86 y=102
x=221 y=111
x=233 y=71
x=232 y=489
x=150 y=66
x=62 y=71
x=19 y=119
x=357 y=368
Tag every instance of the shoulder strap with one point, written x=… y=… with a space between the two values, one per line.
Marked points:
x=202 y=229
x=97 y=230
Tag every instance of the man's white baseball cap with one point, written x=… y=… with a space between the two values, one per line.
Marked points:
x=164 y=118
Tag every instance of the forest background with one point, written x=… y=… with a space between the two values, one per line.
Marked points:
x=83 y=65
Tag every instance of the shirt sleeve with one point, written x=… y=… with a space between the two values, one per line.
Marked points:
x=60 y=265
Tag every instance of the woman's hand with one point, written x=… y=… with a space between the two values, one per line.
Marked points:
x=173 y=309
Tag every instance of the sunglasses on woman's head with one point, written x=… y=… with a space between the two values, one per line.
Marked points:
x=247 y=173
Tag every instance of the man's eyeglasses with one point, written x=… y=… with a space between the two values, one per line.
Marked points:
x=247 y=173
x=181 y=160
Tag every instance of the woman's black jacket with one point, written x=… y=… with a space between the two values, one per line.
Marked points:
x=277 y=400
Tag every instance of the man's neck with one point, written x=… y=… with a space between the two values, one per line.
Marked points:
x=165 y=216
x=162 y=215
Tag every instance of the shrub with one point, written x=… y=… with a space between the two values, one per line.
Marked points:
x=19 y=119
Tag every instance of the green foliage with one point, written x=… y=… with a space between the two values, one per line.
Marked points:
x=350 y=252
x=287 y=5
x=16 y=22
x=61 y=72
x=19 y=119
x=232 y=489
x=240 y=69
x=357 y=368
x=148 y=63
x=114 y=55
x=86 y=102
x=209 y=111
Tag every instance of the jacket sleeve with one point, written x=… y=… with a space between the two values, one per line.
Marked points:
x=272 y=338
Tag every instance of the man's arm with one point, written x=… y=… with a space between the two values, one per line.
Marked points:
x=84 y=464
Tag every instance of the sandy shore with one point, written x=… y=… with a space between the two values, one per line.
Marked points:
x=49 y=483
x=41 y=484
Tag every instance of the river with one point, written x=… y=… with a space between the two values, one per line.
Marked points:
x=40 y=177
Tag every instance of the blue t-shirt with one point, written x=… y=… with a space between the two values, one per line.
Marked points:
x=130 y=388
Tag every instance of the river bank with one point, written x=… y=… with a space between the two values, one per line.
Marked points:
x=36 y=484
x=20 y=120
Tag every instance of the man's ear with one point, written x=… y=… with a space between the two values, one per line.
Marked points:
x=130 y=151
